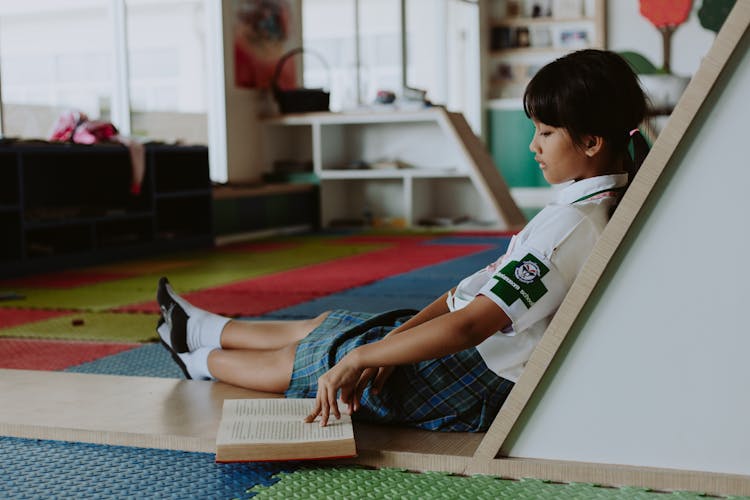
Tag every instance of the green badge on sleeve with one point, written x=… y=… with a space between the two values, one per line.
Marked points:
x=521 y=280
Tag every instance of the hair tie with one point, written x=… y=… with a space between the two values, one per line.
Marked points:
x=633 y=132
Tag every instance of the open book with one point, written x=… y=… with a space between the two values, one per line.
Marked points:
x=255 y=430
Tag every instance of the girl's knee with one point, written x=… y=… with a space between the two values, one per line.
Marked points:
x=317 y=320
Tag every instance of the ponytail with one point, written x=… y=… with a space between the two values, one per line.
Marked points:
x=640 y=151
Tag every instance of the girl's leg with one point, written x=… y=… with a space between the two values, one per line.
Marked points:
x=265 y=370
x=267 y=335
x=189 y=328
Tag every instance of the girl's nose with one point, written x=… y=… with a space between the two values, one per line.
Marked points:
x=532 y=145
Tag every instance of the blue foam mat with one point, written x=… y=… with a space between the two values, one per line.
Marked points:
x=352 y=303
x=51 y=469
x=149 y=360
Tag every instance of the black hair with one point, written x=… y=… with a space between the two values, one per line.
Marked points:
x=591 y=92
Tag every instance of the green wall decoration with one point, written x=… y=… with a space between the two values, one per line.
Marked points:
x=666 y=16
x=712 y=13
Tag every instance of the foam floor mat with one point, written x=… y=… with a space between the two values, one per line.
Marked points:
x=196 y=271
x=50 y=469
x=18 y=316
x=53 y=355
x=277 y=290
x=149 y=360
x=104 y=326
x=353 y=482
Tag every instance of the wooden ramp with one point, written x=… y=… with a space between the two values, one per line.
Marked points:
x=649 y=388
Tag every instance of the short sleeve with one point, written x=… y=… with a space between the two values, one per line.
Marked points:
x=528 y=287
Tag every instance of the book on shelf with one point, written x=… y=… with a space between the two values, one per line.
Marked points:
x=261 y=430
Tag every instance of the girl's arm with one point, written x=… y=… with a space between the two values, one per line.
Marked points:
x=380 y=374
x=437 y=308
x=442 y=335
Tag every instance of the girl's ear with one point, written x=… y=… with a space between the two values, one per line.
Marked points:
x=594 y=144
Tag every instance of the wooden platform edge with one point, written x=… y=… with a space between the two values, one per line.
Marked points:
x=110 y=438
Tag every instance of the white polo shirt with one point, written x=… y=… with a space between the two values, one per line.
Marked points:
x=531 y=280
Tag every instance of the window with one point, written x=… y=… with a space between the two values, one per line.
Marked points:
x=361 y=43
x=167 y=70
x=55 y=56
x=58 y=56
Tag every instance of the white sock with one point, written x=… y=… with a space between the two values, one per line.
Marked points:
x=196 y=363
x=203 y=327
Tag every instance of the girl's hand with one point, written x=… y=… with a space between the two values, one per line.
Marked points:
x=378 y=377
x=383 y=373
x=344 y=376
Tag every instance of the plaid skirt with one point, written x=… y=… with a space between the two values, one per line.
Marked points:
x=455 y=393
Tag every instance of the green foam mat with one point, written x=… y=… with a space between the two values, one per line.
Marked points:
x=193 y=272
x=351 y=482
x=110 y=327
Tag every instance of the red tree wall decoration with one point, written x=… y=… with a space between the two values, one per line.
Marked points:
x=666 y=16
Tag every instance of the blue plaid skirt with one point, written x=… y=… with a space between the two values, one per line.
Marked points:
x=454 y=393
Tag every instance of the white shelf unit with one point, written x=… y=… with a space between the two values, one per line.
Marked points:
x=509 y=63
x=447 y=174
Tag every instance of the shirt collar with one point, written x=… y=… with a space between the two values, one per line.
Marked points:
x=579 y=189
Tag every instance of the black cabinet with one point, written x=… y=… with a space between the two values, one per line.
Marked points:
x=64 y=205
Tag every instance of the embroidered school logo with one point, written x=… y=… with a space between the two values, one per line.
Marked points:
x=527 y=271
x=521 y=280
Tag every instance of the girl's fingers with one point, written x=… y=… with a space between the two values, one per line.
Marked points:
x=380 y=378
x=315 y=412
x=332 y=401
x=324 y=408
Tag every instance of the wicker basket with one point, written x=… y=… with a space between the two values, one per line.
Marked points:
x=300 y=100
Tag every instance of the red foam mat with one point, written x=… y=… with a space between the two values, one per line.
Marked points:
x=13 y=317
x=53 y=354
x=383 y=238
x=275 y=291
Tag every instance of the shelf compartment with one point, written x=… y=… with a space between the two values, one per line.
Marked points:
x=416 y=143
x=93 y=180
x=540 y=21
x=352 y=203
x=183 y=216
x=288 y=149
x=121 y=232
x=441 y=201
x=10 y=227
x=58 y=240
x=179 y=168
x=390 y=173
x=9 y=185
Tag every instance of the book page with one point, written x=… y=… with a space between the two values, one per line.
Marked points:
x=275 y=408
x=276 y=421
x=280 y=431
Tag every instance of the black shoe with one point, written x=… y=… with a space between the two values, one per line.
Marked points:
x=175 y=316
x=174 y=355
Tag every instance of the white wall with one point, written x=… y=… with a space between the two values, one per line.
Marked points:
x=627 y=29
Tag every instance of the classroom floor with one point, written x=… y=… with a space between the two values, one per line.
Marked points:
x=101 y=320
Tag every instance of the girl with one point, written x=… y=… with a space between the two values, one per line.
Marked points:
x=450 y=366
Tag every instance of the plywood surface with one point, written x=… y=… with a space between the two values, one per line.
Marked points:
x=162 y=413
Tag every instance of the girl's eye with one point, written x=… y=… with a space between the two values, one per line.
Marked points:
x=545 y=133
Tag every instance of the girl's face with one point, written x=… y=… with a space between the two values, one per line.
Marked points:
x=557 y=155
